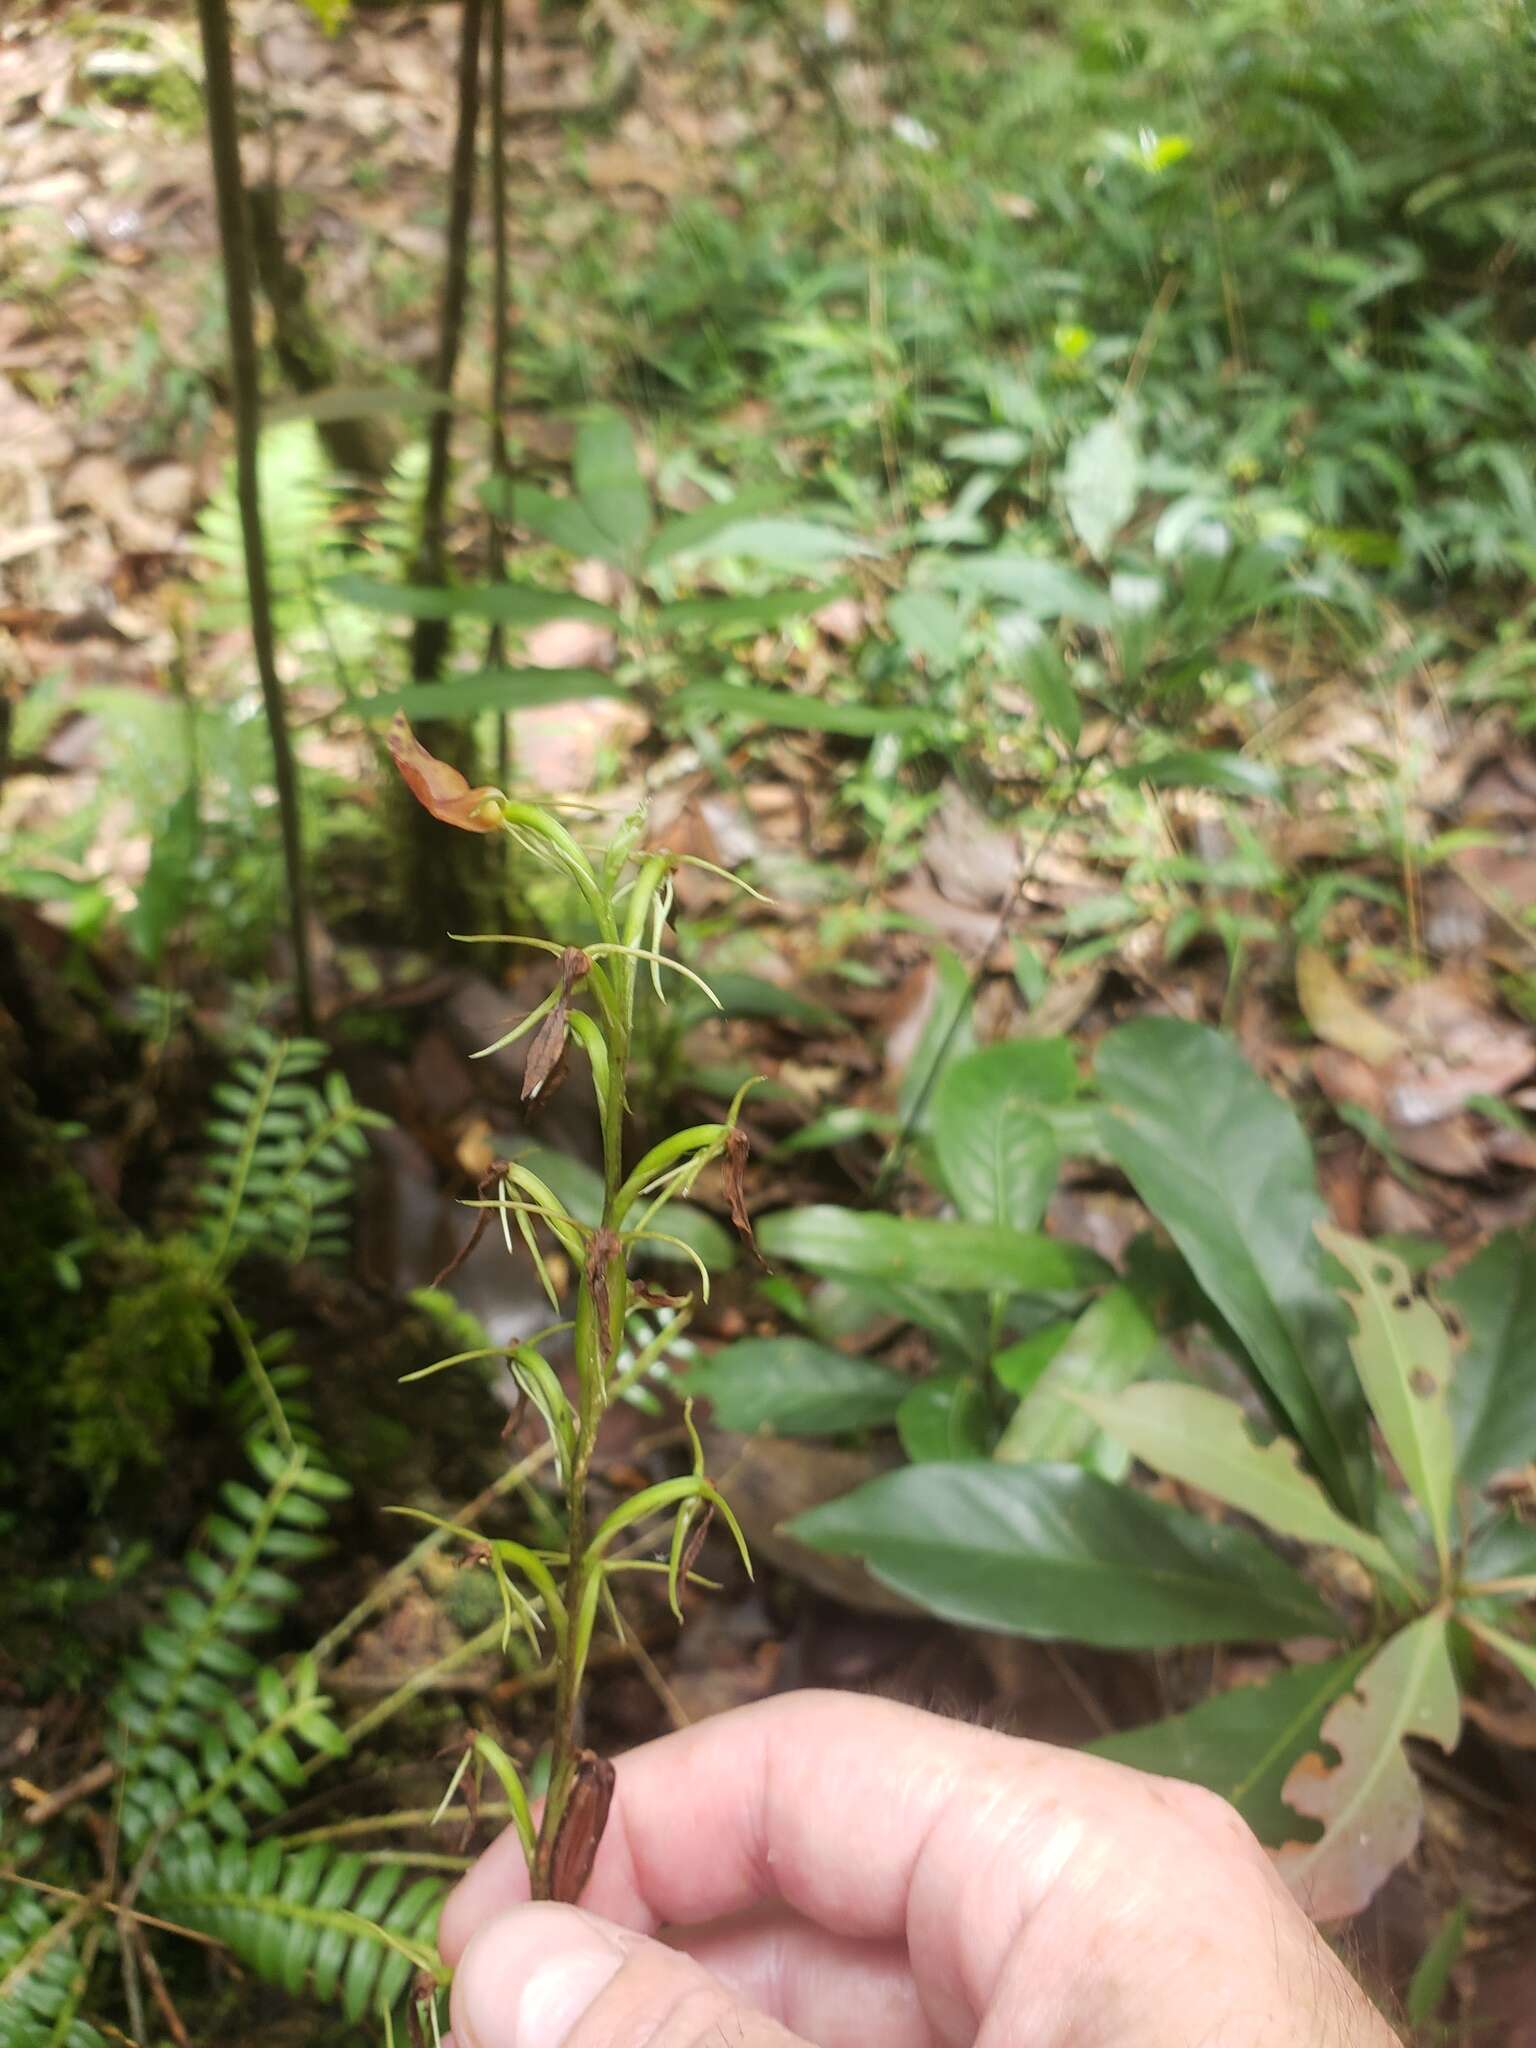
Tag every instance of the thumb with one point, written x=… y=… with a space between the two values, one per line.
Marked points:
x=555 y=1977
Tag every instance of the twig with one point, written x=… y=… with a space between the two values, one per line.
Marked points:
x=52 y=1804
x=245 y=389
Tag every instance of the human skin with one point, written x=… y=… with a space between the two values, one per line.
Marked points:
x=850 y=1873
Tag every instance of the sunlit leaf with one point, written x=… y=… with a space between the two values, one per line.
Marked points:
x=929 y=627
x=1369 y=1802
x=1101 y=483
x=612 y=491
x=1194 y=768
x=695 y=534
x=1053 y=1551
x=1402 y=1352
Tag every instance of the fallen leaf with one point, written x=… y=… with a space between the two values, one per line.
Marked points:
x=1337 y=1015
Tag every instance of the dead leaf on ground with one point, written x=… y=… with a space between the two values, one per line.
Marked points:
x=1337 y=1015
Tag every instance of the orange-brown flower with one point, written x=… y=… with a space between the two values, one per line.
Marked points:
x=440 y=787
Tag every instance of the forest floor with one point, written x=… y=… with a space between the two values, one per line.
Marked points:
x=1407 y=841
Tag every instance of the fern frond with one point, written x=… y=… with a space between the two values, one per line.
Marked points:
x=313 y=1920
x=42 y=1977
x=283 y=1155
x=184 y=1685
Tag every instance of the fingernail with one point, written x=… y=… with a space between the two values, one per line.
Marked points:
x=527 y=1979
x=559 y=1992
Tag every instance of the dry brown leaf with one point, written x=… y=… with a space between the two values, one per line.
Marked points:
x=1337 y=1015
x=615 y=164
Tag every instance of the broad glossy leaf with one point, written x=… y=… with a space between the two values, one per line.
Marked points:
x=1112 y=1343
x=565 y=522
x=1368 y=1802
x=691 y=533
x=1021 y=1366
x=1101 y=483
x=1402 y=1352
x=997 y=1153
x=1202 y=1439
x=1244 y=1742
x=791 y=712
x=946 y=1416
x=797 y=1387
x=609 y=484
x=1055 y=1552
x=493 y=689
x=1192 y=768
x=929 y=627
x=948 y=1257
x=510 y=604
x=1493 y=1389
x=1223 y=1164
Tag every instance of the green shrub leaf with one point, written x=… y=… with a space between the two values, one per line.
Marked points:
x=1224 y=1165
x=997 y=1154
x=1111 y=1344
x=797 y=1387
x=1493 y=1390
x=948 y=1257
x=609 y=484
x=1053 y=1551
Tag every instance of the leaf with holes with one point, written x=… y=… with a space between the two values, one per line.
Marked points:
x=1369 y=1802
x=1402 y=1352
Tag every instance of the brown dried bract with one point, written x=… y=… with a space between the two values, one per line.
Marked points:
x=693 y=1546
x=581 y=1828
x=737 y=1146
x=604 y=1248
x=544 y=1068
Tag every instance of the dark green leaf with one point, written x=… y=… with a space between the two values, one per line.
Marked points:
x=510 y=604
x=1493 y=1386
x=997 y=1154
x=492 y=689
x=1190 y=768
x=789 y=711
x=947 y=1257
x=609 y=484
x=1243 y=1743
x=1223 y=1164
x=796 y=1387
x=1053 y=1551
x=947 y=1416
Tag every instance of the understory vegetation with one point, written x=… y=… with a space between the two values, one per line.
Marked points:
x=767 y=795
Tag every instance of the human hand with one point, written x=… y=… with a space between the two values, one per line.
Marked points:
x=850 y=1873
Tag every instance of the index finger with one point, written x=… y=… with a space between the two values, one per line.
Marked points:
x=873 y=1820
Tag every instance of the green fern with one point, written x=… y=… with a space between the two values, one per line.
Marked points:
x=42 y=1976
x=315 y=1920
x=284 y=1155
x=184 y=1688
x=303 y=542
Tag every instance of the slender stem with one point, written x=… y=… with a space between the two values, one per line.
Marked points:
x=245 y=383
x=501 y=342
x=429 y=641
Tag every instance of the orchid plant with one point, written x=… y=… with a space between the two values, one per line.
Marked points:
x=555 y=1597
